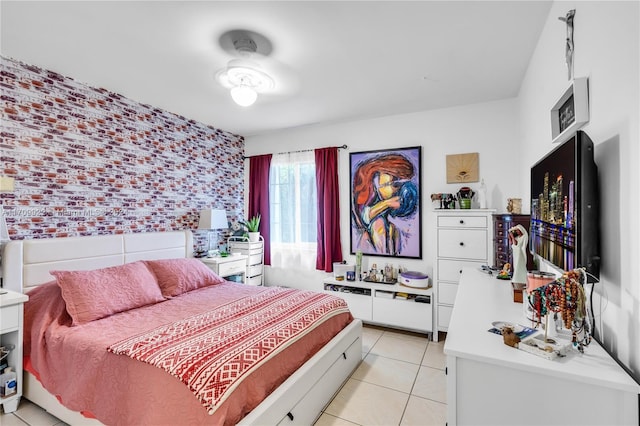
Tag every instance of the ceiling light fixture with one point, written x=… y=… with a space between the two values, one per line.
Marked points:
x=243 y=76
x=244 y=95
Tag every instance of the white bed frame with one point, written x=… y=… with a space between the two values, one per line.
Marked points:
x=299 y=400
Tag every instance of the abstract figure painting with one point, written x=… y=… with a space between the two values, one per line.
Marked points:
x=386 y=202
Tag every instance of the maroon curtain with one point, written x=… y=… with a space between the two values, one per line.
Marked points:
x=329 y=246
x=259 y=198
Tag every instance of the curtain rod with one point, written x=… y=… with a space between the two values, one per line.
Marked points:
x=294 y=152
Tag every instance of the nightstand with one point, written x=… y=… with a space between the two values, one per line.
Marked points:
x=227 y=266
x=11 y=314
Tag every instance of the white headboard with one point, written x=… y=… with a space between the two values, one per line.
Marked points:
x=26 y=263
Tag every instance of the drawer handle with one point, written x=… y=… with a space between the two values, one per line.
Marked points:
x=460 y=271
x=461 y=222
x=461 y=244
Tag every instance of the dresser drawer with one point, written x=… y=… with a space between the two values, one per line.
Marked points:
x=447 y=293
x=450 y=270
x=255 y=259
x=504 y=242
x=254 y=270
x=257 y=280
x=462 y=222
x=500 y=249
x=503 y=256
x=10 y=316
x=444 y=316
x=501 y=233
x=245 y=247
x=464 y=244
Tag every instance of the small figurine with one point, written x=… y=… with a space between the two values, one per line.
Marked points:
x=464 y=196
x=482 y=195
x=510 y=338
x=569 y=47
x=447 y=201
x=505 y=272
x=518 y=237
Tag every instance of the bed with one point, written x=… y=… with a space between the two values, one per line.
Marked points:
x=298 y=398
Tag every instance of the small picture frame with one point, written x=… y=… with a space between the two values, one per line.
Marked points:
x=571 y=112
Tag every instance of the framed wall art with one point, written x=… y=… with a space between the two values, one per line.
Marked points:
x=463 y=168
x=571 y=112
x=386 y=214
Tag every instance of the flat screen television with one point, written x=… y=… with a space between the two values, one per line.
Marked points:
x=565 y=207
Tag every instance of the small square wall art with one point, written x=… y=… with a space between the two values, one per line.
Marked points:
x=463 y=168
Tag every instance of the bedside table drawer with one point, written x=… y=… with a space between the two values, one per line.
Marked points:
x=231 y=268
x=9 y=317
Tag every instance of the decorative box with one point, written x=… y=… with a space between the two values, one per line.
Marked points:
x=414 y=279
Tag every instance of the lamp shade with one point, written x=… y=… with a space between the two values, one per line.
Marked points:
x=213 y=219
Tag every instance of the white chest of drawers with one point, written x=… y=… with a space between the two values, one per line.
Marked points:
x=254 y=251
x=464 y=239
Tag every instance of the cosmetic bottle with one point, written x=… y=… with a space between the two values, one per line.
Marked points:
x=8 y=383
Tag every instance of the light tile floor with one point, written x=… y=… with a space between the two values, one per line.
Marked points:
x=400 y=381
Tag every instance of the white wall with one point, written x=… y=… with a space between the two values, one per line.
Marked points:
x=511 y=135
x=607 y=51
x=488 y=128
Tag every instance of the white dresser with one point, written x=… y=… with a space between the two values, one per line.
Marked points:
x=464 y=240
x=490 y=383
x=254 y=251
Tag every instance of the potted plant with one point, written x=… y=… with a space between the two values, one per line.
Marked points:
x=253 y=228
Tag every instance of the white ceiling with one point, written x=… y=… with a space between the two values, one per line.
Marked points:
x=332 y=61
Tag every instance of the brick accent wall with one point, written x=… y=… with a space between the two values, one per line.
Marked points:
x=87 y=161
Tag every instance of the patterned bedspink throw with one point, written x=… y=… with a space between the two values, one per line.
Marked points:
x=212 y=352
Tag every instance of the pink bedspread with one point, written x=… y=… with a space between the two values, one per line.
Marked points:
x=73 y=362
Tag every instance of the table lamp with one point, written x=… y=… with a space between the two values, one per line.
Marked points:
x=212 y=219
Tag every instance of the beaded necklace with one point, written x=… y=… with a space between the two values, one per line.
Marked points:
x=566 y=296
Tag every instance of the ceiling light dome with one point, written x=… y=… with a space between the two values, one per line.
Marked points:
x=243 y=76
x=244 y=95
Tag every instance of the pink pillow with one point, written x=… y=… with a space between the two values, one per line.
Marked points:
x=177 y=276
x=91 y=295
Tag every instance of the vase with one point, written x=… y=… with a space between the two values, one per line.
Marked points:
x=254 y=237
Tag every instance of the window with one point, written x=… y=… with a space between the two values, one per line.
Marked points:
x=293 y=210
